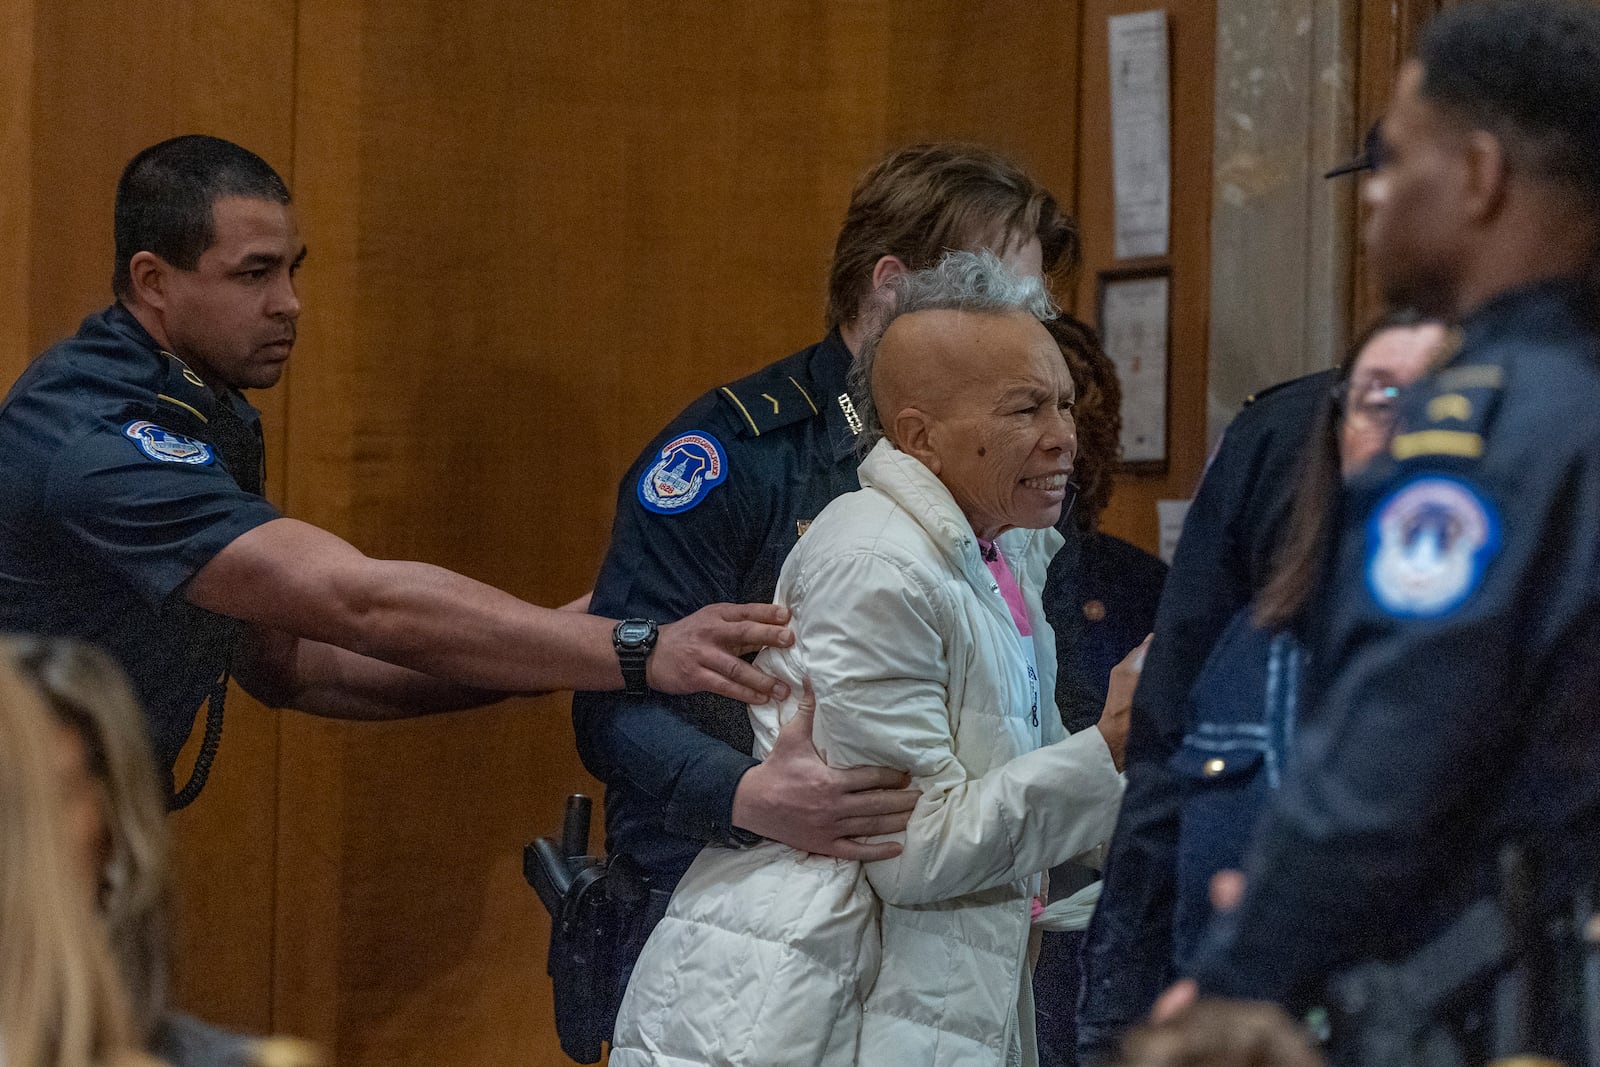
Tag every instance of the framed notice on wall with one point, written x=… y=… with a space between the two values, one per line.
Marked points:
x=1135 y=327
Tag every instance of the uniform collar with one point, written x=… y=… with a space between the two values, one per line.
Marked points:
x=178 y=383
x=120 y=320
x=830 y=367
x=1555 y=310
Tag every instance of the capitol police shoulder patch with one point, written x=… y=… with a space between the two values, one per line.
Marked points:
x=688 y=468
x=168 y=447
x=1428 y=545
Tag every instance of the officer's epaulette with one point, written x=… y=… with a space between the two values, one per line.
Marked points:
x=1262 y=394
x=185 y=392
x=1461 y=399
x=775 y=397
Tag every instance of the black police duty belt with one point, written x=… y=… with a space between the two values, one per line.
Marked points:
x=1394 y=1014
x=1391 y=1014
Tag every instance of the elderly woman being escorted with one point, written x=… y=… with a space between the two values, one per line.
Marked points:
x=918 y=625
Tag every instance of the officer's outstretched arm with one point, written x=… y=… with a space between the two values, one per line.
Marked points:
x=285 y=671
x=291 y=576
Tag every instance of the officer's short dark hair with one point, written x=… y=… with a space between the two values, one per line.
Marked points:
x=929 y=199
x=1527 y=71
x=165 y=195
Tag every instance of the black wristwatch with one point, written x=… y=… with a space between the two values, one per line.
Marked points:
x=634 y=640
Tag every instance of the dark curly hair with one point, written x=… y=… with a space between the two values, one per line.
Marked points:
x=1527 y=71
x=1098 y=414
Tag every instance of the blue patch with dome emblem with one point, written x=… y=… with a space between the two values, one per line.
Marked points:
x=688 y=468
x=166 y=446
x=1429 y=544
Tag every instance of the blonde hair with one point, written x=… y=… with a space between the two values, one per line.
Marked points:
x=62 y=1002
x=88 y=692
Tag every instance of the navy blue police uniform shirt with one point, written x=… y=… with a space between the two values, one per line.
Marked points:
x=113 y=493
x=1456 y=661
x=708 y=514
x=1223 y=556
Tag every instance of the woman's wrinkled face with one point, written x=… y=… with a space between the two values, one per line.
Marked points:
x=83 y=804
x=1392 y=359
x=1006 y=440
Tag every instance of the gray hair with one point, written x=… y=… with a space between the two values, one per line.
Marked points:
x=962 y=281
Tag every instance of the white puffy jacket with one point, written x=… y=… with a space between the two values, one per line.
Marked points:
x=771 y=956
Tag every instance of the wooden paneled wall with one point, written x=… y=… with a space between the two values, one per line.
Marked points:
x=536 y=231
x=94 y=83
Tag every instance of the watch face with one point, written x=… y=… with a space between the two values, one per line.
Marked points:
x=633 y=631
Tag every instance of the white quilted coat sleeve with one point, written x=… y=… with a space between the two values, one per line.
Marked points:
x=873 y=645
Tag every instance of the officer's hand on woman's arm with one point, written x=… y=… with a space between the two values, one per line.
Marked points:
x=796 y=799
x=290 y=576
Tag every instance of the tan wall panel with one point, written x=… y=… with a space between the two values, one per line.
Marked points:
x=110 y=79
x=1003 y=74
x=1132 y=513
x=16 y=186
x=307 y=954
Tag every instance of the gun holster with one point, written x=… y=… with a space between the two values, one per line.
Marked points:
x=592 y=903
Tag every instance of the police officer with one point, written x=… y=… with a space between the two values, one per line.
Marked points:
x=1223 y=557
x=131 y=511
x=1457 y=649
x=720 y=496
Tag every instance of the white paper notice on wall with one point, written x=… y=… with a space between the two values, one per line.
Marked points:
x=1170 y=515
x=1134 y=315
x=1141 y=133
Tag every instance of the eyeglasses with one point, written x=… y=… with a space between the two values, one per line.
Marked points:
x=1371 y=157
x=1374 y=402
